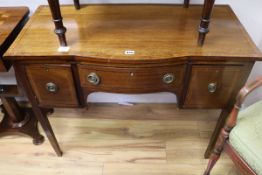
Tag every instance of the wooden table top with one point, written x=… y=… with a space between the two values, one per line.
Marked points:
x=151 y=31
x=10 y=18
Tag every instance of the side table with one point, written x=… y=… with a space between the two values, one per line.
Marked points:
x=16 y=120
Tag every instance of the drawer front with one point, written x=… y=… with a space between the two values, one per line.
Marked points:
x=212 y=86
x=132 y=80
x=53 y=85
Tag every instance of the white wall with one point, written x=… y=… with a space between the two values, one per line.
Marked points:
x=249 y=13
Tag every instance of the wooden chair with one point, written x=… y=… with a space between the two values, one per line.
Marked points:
x=241 y=137
x=77 y=4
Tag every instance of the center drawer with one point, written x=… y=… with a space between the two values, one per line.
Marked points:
x=132 y=80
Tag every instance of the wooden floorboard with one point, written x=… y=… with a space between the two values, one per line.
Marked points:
x=111 y=139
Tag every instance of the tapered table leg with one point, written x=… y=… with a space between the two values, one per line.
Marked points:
x=39 y=113
x=206 y=14
x=220 y=123
x=42 y=118
x=60 y=30
x=186 y=3
x=19 y=120
x=77 y=4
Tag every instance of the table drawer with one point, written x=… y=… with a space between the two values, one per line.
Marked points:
x=53 y=85
x=212 y=86
x=132 y=80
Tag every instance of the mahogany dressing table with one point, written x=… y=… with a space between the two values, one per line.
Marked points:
x=132 y=49
x=16 y=120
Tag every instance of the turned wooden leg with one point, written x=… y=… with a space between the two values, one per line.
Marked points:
x=223 y=136
x=186 y=3
x=77 y=4
x=203 y=28
x=220 y=123
x=58 y=21
x=39 y=113
x=212 y=161
x=19 y=120
x=11 y=107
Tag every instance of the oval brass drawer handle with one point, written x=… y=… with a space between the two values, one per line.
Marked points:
x=212 y=87
x=51 y=87
x=168 y=78
x=93 y=78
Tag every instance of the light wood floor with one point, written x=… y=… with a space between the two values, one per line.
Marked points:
x=144 y=139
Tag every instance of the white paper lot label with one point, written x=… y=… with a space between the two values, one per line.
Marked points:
x=130 y=52
x=63 y=49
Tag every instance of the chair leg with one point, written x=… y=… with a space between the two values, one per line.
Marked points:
x=212 y=161
x=223 y=136
x=186 y=3
x=77 y=4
